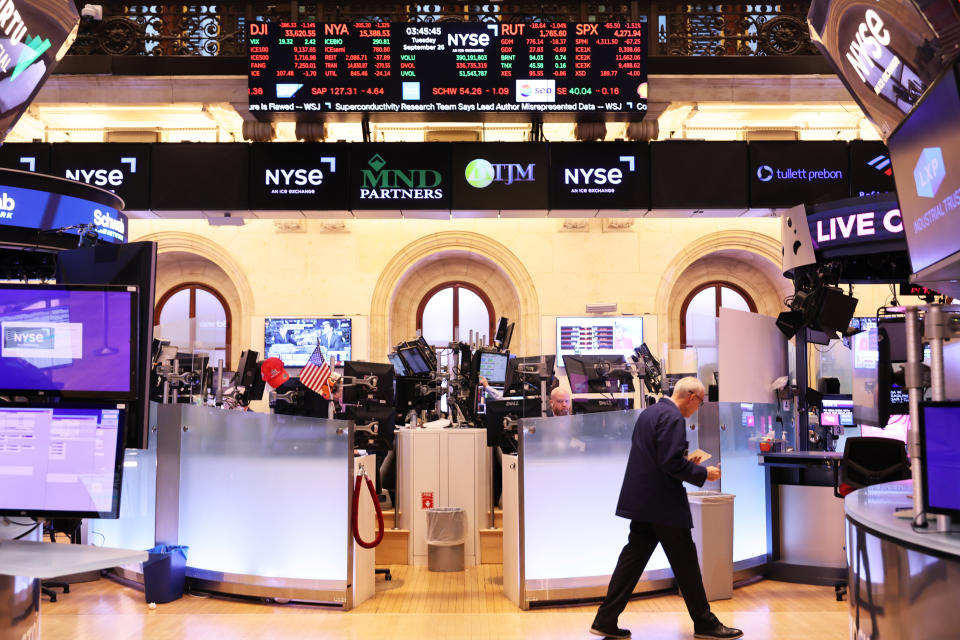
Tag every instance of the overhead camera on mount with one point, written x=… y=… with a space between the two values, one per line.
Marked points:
x=818 y=303
x=648 y=368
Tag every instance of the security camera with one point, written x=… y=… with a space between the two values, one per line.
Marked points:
x=92 y=11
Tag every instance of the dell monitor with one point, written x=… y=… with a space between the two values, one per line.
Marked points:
x=497 y=410
x=399 y=368
x=72 y=341
x=938 y=451
x=69 y=458
x=384 y=374
x=597 y=374
x=414 y=359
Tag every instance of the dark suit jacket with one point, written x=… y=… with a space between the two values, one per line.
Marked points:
x=657 y=468
x=334 y=343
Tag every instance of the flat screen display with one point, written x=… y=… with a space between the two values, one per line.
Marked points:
x=294 y=339
x=299 y=175
x=400 y=175
x=926 y=163
x=493 y=367
x=61 y=460
x=416 y=364
x=939 y=462
x=599 y=336
x=703 y=175
x=785 y=174
x=510 y=175
x=123 y=169
x=71 y=341
x=197 y=176
x=871 y=171
x=447 y=67
x=837 y=413
x=605 y=175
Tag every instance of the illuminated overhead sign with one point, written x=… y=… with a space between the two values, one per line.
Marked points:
x=118 y=167
x=610 y=175
x=510 y=175
x=35 y=209
x=400 y=176
x=784 y=174
x=296 y=175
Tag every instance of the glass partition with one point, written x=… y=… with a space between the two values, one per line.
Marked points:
x=134 y=528
x=741 y=427
x=572 y=472
x=265 y=495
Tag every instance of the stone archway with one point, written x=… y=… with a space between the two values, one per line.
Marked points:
x=474 y=258
x=186 y=257
x=747 y=259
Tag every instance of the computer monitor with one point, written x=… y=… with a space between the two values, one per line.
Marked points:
x=597 y=374
x=501 y=330
x=497 y=410
x=508 y=338
x=837 y=411
x=73 y=341
x=600 y=405
x=414 y=359
x=414 y=393
x=939 y=464
x=493 y=367
x=598 y=335
x=248 y=375
x=399 y=368
x=134 y=263
x=384 y=374
x=384 y=415
x=70 y=458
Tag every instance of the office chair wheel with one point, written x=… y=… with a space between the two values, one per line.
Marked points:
x=841 y=590
x=385 y=572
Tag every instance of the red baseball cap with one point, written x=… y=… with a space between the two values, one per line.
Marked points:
x=273 y=373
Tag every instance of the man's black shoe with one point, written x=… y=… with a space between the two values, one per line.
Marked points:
x=609 y=632
x=718 y=631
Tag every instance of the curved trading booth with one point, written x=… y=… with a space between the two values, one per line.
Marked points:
x=900 y=576
x=262 y=501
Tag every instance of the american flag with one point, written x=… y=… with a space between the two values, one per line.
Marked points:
x=315 y=374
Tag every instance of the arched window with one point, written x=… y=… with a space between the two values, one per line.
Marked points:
x=700 y=310
x=194 y=317
x=451 y=306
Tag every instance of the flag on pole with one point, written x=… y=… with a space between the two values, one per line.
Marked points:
x=316 y=373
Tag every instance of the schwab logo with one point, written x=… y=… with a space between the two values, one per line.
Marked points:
x=929 y=172
x=105 y=220
x=378 y=183
x=765 y=173
x=536 y=91
x=7 y=205
x=482 y=173
x=102 y=177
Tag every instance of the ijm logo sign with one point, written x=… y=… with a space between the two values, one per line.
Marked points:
x=929 y=172
x=482 y=173
x=102 y=177
x=7 y=205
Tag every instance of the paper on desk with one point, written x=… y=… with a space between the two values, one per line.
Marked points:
x=699 y=453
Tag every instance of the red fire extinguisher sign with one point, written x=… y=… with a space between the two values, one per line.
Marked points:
x=426 y=499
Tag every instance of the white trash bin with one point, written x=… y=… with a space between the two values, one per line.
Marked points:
x=712 y=513
x=446 y=535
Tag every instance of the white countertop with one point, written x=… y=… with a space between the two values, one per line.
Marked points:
x=48 y=560
x=873 y=507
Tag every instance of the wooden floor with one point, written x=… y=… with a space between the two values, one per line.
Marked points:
x=420 y=604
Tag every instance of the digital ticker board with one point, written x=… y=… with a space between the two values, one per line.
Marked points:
x=459 y=67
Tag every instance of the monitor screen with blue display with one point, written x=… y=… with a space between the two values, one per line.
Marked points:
x=68 y=460
x=42 y=210
x=493 y=367
x=940 y=465
x=68 y=340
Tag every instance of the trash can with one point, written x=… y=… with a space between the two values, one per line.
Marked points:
x=446 y=534
x=712 y=513
x=164 y=573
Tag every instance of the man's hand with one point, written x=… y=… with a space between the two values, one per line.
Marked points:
x=713 y=473
x=483 y=382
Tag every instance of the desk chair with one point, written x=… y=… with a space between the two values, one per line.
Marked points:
x=71 y=527
x=868 y=461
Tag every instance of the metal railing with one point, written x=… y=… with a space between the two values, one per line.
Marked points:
x=677 y=29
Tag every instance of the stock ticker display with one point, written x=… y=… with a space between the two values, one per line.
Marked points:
x=447 y=67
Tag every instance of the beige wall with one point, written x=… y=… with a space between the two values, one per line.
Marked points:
x=533 y=269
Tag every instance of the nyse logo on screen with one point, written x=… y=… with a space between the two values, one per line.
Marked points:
x=103 y=177
x=284 y=179
x=482 y=173
x=597 y=179
x=929 y=172
x=536 y=91
x=23 y=337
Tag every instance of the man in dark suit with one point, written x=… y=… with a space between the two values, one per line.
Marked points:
x=654 y=500
x=328 y=338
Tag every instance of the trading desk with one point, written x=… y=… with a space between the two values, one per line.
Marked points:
x=24 y=564
x=903 y=583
